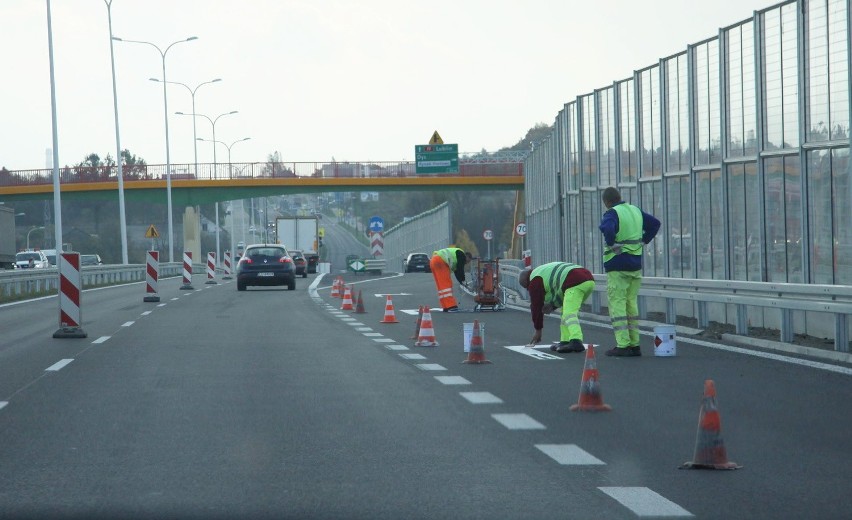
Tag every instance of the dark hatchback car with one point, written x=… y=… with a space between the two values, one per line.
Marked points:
x=300 y=262
x=313 y=259
x=416 y=262
x=266 y=264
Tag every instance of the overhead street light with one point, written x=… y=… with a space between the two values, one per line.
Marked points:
x=28 y=234
x=233 y=243
x=192 y=92
x=166 y=114
x=119 y=170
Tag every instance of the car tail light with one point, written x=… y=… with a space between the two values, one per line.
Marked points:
x=246 y=260
x=284 y=260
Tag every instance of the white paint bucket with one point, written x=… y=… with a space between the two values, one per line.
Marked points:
x=468 y=334
x=665 y=344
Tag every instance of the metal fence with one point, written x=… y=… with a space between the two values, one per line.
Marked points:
x=423 y=233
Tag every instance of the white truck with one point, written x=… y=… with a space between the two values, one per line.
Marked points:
x=301 y=233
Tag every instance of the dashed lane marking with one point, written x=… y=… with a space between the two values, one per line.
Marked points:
x=517 y=421
x=58 y=365
x=481 y=397
x=383 y=340
x=3 y=404
x=364 y=329
x=645 y=502
x=162 y=304
x=373 y=334
x=396 y=347
x=430 y=366
x=569 y=454
x=452 y=380
x=412 y=356
x=100 y=340
x=146 y=313
x=127 y=323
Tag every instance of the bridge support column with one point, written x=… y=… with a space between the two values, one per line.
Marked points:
x=192 y=232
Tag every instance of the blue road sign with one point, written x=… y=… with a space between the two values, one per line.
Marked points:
x=377 y=225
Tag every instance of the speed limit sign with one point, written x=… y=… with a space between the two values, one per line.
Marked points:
x=521 y=229
x=487 y=234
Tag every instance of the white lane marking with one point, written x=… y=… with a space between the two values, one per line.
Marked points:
x=412 y=356
x=532 y=352
x=127 y=323
x=383 y=340
x=645 y=502
x=3 y=404
x=430 y=366
x=396 y=347
x=146 y=313
x=413 y=312
x=364 y=329
x=373 y=334
x=481 y=397
x=351 y=319
x=382 y=295
x=569 y=454
x=162 y=304
x=355 y=324
x=517 y=421
x=58 y=365
x=452 y=380
x=100 y=340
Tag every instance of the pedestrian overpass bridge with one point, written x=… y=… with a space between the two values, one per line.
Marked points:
x=193 y=184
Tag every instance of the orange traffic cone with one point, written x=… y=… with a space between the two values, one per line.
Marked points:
x=710 y=450
x=390 y=317
x=417 y=325
x=426 y=335
x=347 y=299
x=591 y=399
x=335 y=288
x=476 y=356
x=359 y=306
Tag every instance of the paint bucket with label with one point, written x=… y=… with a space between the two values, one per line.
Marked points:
x=665 y=343
x=468 y=333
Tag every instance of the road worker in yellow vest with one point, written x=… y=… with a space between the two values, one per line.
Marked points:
x=626 y=229
x=443 y=262
x=554 y=285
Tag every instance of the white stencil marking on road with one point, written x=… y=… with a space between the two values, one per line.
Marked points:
x=532 y=352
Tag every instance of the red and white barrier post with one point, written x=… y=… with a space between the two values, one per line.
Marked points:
x=152 y=276
x=211 y=268
x=70 y=285
x=227 y=266
x=187 y=272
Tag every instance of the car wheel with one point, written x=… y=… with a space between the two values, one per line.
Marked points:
x=241 y=286
x=292 y=285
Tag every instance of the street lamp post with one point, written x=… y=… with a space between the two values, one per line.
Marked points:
x=119 y=170
x=28 y=234
x=192 y=92
x=228 y=146
x=166 y=116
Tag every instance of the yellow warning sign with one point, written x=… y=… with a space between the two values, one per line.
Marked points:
x=322 y=232
x=436 y=139
x=152 y=232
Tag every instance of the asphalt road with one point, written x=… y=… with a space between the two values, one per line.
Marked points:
x=275 y=404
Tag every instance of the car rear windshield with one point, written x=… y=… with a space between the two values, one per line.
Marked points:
x=274 y=252
x=28 y=256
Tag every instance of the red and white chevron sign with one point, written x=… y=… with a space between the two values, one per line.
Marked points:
x=377 y=244
x=69 y=290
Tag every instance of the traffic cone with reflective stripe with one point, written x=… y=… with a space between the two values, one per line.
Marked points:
x=417 y=325
x=359 y=306
x=591 y=399
x=390 y=317
x=335 y=288
x=476 y=356
x=710 y=450
x=426 y=335
x=347 y=299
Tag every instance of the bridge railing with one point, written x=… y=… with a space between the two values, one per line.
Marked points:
x=23 y=283
x=493 y=165
x=784 y=300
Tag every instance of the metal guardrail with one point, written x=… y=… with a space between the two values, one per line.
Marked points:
x=375 y=265
x=19 y=283
x=786 y=298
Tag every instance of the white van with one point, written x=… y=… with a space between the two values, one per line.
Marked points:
x=31 y=259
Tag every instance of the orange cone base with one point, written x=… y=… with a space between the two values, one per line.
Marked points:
x=590 y=408
x=475 y=361
x=695 y=465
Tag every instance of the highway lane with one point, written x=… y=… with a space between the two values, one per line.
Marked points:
x=270 y=402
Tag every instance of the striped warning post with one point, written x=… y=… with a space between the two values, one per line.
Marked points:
x=152 y=276
x=227 y=266
x=187 y=272
x=70 y=283
x=211 y=268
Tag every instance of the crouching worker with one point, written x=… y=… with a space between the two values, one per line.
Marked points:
x=443 y=262
x=554 y=285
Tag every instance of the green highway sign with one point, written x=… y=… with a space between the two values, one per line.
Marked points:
x=436 y=158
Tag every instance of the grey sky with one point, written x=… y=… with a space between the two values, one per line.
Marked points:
x=354 y=80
